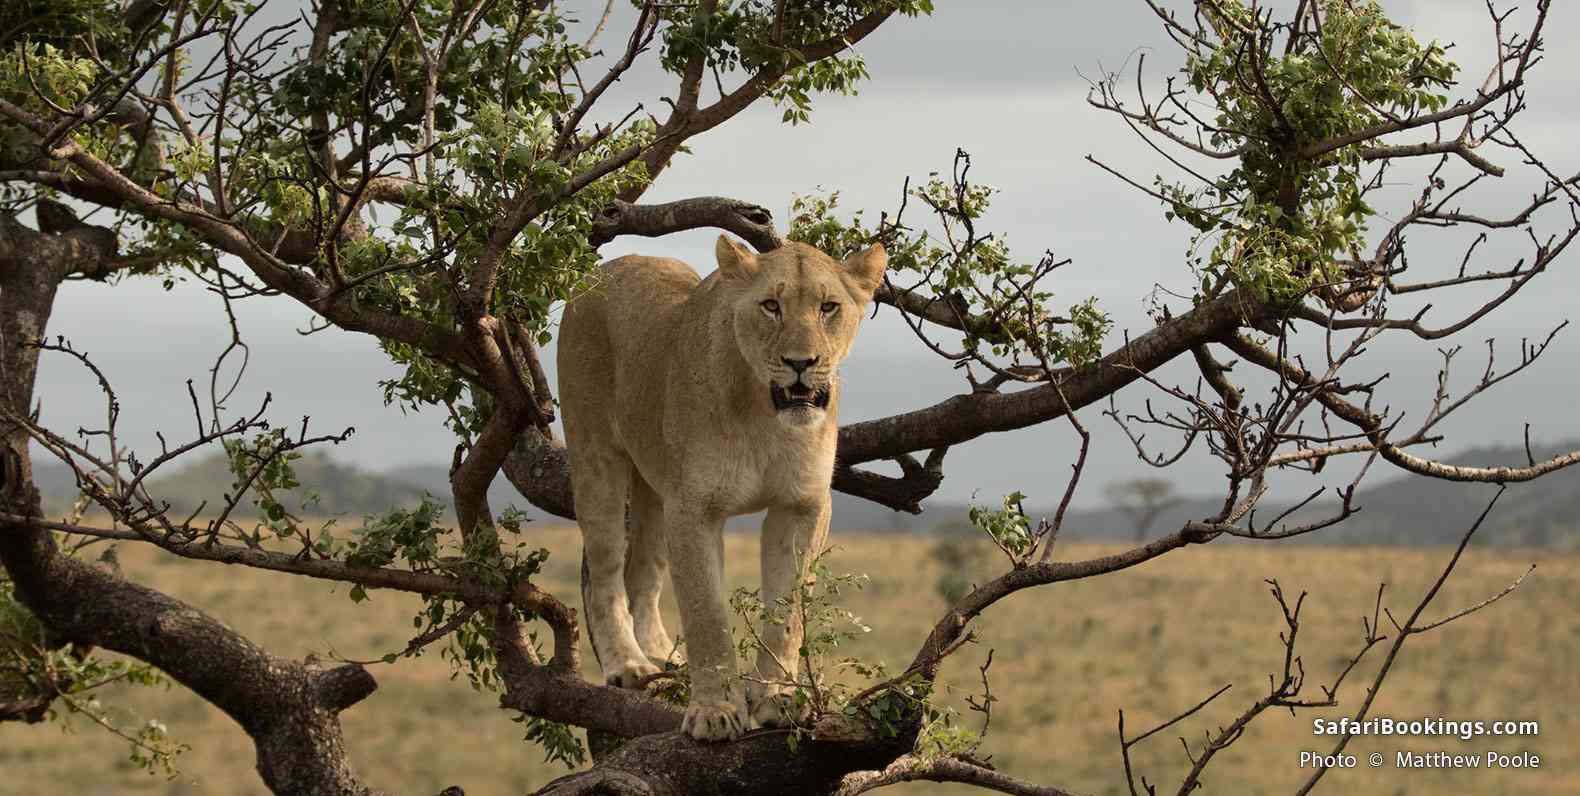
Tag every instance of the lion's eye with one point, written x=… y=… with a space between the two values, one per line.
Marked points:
x=829 y=307
x=771 y=306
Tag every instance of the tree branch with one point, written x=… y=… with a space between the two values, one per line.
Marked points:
x=966 y=417
x=911 y=768
x=752 y=223
x=1372 y=425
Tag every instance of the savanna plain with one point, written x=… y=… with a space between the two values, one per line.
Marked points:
x=1152 y=641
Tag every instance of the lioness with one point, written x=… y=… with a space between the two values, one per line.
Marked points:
x=697 y=400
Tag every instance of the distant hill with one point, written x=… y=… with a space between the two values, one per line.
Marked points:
x=54 y=480
x=1402 y=510
x=342 y=489
x=1415 y=510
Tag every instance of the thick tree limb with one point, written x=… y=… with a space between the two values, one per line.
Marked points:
x=662 y=760
x=905 y=493
x=1455 y=147
x=556 y=690
x=470 y=479
x=66 y=248
x=752 y=223
x=911 y=768
x=966 y=417
x=939 y=312
x=539 y=468
x=28 y=709
x=672 y=764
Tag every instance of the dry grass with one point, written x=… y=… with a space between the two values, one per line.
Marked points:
x=1151 y=641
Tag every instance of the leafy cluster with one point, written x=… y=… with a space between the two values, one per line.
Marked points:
x=415 y=539
x=502 y=132
x=1283 y=213
x=40 y=75
x=1008 y=526
x=262 y=467
x=58 y=21
x=497 y=130
x=761 y=36
x=39 y=65
x=558 y=740
x=368 y=68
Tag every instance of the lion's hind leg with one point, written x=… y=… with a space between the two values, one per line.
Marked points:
x=646 y=570
x=601 y=478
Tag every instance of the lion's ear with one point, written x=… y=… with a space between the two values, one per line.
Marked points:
x=865 y=269
x=734 y=259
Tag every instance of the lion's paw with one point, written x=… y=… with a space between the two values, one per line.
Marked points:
x=713 y=721
x=778 y=706
x=630 y=673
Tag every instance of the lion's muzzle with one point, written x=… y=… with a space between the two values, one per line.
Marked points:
x=798 y=396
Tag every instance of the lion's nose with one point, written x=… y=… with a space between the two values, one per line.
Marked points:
x=799 y=365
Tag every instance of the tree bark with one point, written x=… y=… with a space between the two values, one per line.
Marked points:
x=758 y=764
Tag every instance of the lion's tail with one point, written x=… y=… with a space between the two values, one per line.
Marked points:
x=592 y=638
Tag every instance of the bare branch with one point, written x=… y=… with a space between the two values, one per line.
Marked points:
x=912 y=768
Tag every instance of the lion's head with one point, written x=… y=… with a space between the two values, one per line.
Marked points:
x=795 y=312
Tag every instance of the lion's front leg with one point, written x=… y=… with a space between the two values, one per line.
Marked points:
x=717 y=711
x=791 y=538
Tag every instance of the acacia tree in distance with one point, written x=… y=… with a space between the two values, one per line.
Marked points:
x=249 y=155
x=1141 y=500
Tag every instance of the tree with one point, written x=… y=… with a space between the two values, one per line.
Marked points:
x=232 y=144
x=1141 y=500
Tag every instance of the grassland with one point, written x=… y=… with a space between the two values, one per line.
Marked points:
x=1151 y=641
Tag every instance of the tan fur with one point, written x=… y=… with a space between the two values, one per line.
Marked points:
x=665 y=383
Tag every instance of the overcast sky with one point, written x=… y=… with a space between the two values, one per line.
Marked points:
x=998 y=79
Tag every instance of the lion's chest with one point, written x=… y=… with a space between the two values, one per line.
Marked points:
x=749 y=469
